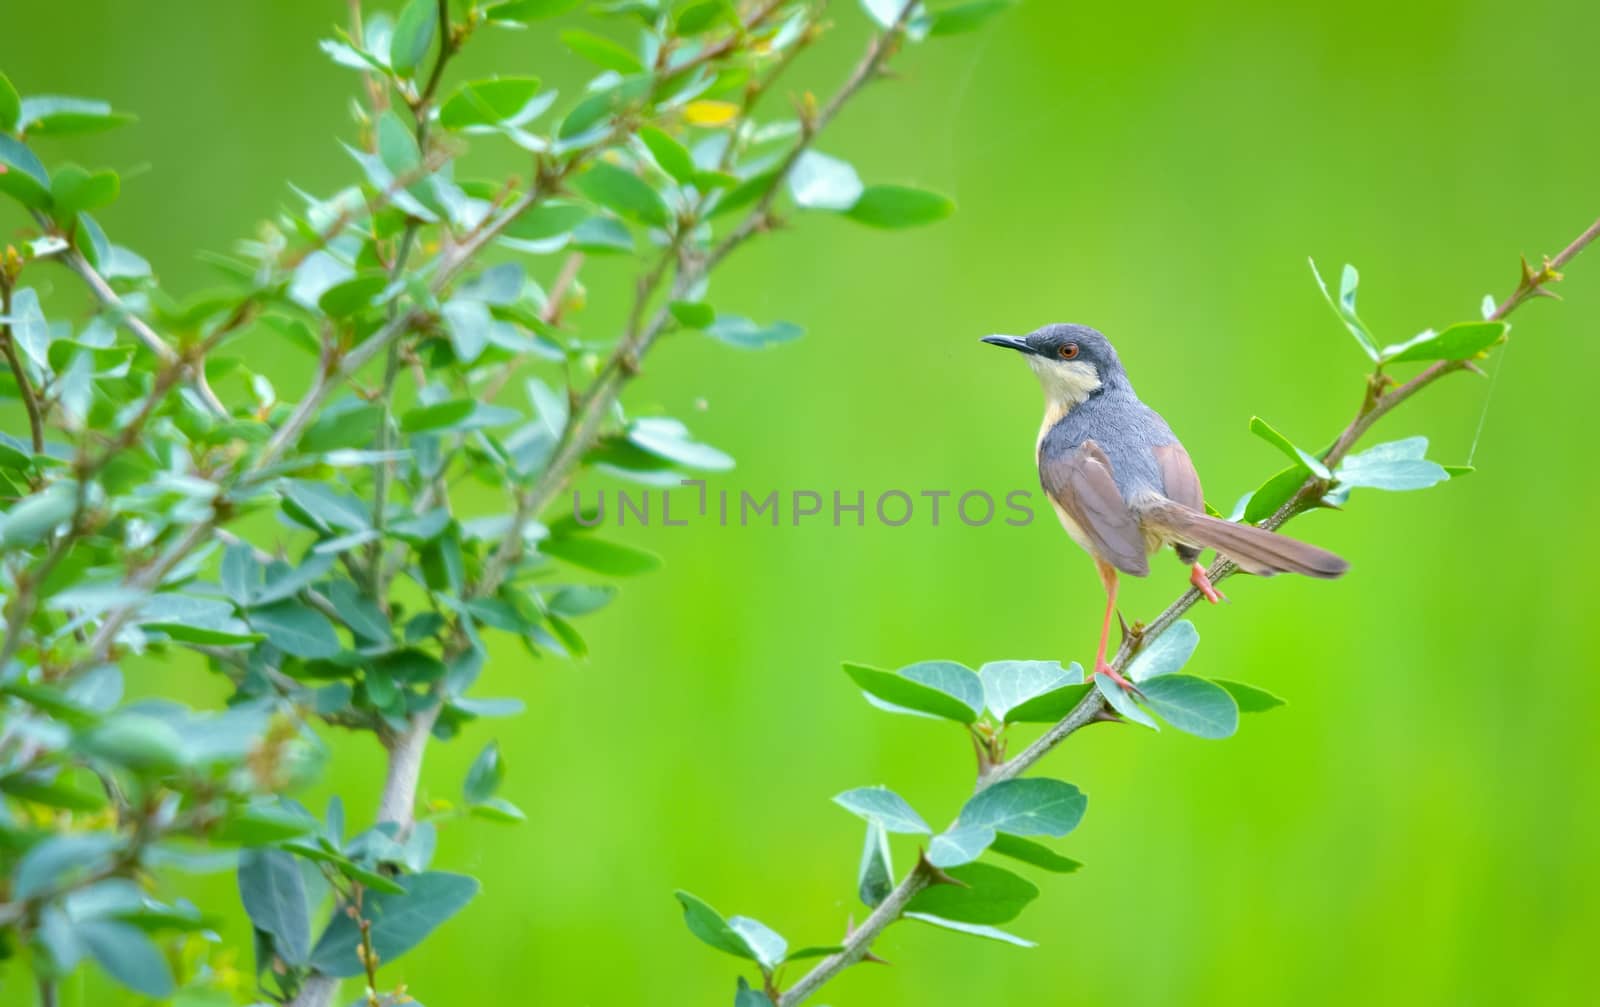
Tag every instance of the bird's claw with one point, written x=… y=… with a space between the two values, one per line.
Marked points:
x=1104 y=668
x=1202 y=583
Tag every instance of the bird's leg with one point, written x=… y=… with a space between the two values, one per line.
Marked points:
x=1202 y=583
x=1108 y=577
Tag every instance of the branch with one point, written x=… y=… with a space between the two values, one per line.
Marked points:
x=1093 y=706
x=24 y=387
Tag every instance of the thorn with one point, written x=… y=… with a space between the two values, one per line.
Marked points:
x=1546 y=292
x=1474 y=368
x=1107 y=715
x=1126 y=632
x=1529 y=277
x=870 y=957
x=939 y=877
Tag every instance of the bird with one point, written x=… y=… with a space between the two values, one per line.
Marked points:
x=1122 y=483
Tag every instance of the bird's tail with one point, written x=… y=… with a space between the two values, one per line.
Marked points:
x=1254 y=549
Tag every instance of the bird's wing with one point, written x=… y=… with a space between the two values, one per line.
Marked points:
x=1079 y=480
x=1180 y=483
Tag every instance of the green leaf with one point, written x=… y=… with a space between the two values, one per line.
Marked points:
x=1396 y=465
x=950 y=678
x=1345 y=306
x=399 y=922
x=875 y=877
x=903 y=695
x=56 y=793
x=1166 y=653
x=489 y=102
x=668 y=439
x=1032 y=806
x=497 y=809
x=74 y=189
x=602 y=236
x=262 y=823
x=609 y=558
x=359 y=612
x=1121 y=702
x=746 y=995
x=295 y=629
x=705 y=15
x=274 y=897
x=692 y=315
x=10 y=105
x=397 y=147
x=353 y=296
x=1262 y=429
x=30 y=520
x=22 y=176
x=1051 y=706
x=884 y=12
x=1009 y=684
x=1192 y=705
x=964 y=17
x=624 y=193
x=993 y=895
x=1459 y=342
x=748 y=335
x=1249 y=698
x=1030 y=852
x=671 y=155
x=127 y=955
x=413 y=35
x=708 y=925
x=485 y=774
x=815 y=951
x=602 y=52
x=469 y=323
x=899 y=206
x=959 y=844
x=768 y=946
x=820 y=182
x=548 y=220
x=1272 y=494
x=884 y=807
x=439 y=416
x=54 y=115
x=975 y=929
x=529 y=10
x=57 y=860
x=137 y=742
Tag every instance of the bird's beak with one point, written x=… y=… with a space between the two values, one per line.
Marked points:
x=1009 y=342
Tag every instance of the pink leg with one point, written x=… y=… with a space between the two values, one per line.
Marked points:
x=1108 y=576
x=1202 y=583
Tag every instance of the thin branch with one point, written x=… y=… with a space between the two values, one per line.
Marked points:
x=1093 y=706
x=24 y=386
x=98 y=285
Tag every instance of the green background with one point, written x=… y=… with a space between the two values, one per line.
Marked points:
x=1418 y=826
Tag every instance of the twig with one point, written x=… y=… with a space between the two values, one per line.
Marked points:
x=24 y=386
x=97 y=284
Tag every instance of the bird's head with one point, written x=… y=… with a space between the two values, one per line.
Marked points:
x=1072 y=361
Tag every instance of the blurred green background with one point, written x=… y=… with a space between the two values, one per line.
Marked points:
x=1418 y=826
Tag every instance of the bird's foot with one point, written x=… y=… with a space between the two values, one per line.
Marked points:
x=1202 y=583
x=1102 y=667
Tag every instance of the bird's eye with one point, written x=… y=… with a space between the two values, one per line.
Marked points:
x=1068 y=351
